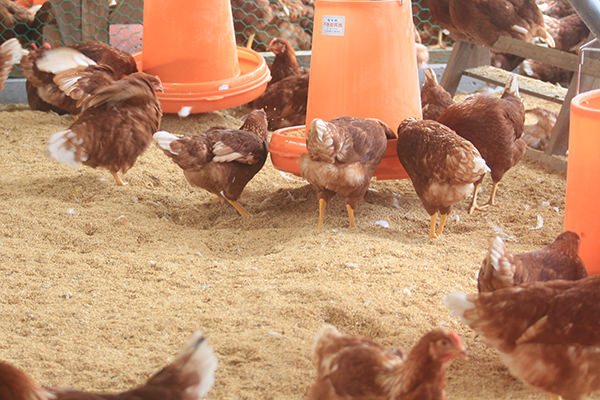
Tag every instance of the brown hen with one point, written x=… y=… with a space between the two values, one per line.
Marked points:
x=285 y=63
x=189 y=377
x=569 y=33
x=41 y=66
x=485 y=21
x=548 y=333
x=537 y=135
x=11 y=53
x=342 y=156
x=434 y=98
x=221 y=160
x=440 y=15
x=115 y=126
x=442 y=166
x=559 y=260
x=356 y=368
x=285 y=102
x=494 y=126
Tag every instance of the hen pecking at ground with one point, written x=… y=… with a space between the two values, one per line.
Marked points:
x=442 y=166
x=220 y=160
x=342 y=156
x=494 y=126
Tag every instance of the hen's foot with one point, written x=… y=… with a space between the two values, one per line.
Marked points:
x=118 y=180
x=238 y=207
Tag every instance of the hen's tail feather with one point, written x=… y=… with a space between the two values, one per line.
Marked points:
x=62 y=147
x=458 y=303
x=13 y=49
x=195 y=365
x=326 y=331
x=164 y=139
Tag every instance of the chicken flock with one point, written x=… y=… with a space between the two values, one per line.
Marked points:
x=538 y=309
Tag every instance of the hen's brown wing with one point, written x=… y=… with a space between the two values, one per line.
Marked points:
x=133 y=89
x=572 y=317
x=431 y=149
x=121 y=62
x=350 y=365
x=485 y=21
x=502 y=317
x=218 y=145
x=80 y=83
x=285 y=101
x=492 y=125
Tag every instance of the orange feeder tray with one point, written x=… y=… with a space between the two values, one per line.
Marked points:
x=363 y=64
x=583 y=174
x=191 y=46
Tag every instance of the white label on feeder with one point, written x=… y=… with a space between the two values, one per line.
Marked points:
x=333 y=25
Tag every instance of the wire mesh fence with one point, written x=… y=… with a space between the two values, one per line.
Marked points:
x=119 y=22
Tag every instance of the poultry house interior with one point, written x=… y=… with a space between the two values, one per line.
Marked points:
x=104 y=284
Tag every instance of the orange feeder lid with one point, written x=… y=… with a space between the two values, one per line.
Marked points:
x=191 y=46
x=583 y=174
x=363 y=64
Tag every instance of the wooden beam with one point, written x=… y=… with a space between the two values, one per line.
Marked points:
x=557 y=58
x=530 y=86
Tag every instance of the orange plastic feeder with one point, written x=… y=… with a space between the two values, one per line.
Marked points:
x=583 y=175
x=363 y=64
x=191 y=46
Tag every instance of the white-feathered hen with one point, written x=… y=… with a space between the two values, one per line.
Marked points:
x=220 y=160
x=342 y=156
x=441 y=165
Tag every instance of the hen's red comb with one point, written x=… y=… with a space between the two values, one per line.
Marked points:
x=47 y=45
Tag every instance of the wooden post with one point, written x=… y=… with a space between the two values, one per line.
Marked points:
x=464 y=55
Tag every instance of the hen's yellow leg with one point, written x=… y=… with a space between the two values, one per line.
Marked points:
x=492 y=200
x=473 y=205
x=238 y=207
x=432 y=226
x=350 y=215
x=322 y=205
x=118 y=179
x=442 y=223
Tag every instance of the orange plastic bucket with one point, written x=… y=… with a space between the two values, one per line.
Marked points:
x=363 y=64
x=583 y=175
x=190 y=45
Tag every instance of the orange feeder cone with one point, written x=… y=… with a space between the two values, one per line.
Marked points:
x=583 y=177
x=363 y=64
x=191 y=46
